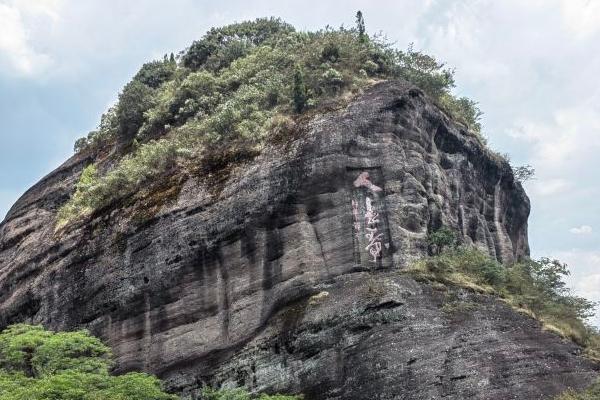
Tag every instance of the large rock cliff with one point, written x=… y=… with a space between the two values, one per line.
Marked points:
x=284 y=273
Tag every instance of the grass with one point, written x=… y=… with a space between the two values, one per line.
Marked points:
x=534 y=288
x=591 y=393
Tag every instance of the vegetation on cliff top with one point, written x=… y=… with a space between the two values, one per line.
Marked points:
x=241 y=85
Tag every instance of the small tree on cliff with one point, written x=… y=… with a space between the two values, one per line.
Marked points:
x=440 y=239
x=360 y=25
x=299 y=91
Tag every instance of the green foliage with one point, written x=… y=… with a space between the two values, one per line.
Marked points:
x=440 y=239
x=134 y=101
x=332 y=80
x=425 y=71
x=360 y=26
x=537 y=286
x=591 y=393
x=134 y=171
x=463 y=109
x=155 y=73
x=221 y=46
x=227 y=90
x=82 y=201
x=241 y=394
x=107 y=130
x=36 y=364
x=300 y=95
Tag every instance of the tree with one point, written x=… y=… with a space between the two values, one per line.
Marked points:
x=524 y=173
x=135 y=99
x=299 y=91
x=440 y=239
x=155 y=73
x=360 y=25
x=37 y=364
x=251 y=33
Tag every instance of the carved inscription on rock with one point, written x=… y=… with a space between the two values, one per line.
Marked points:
x=372 y=246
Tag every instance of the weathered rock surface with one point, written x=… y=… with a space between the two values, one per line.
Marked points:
x=268 y=279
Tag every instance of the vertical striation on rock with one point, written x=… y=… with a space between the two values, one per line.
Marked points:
x=270 y=281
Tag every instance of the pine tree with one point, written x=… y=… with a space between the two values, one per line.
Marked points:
x=360 y=25
x=300 y=95
x=172 y=58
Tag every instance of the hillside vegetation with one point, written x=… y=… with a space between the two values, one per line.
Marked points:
x=534 y=287
x=234 y=90
x=37 y=364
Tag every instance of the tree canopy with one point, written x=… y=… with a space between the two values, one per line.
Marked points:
x=37 y=364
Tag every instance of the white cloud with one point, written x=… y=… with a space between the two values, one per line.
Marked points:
x=566 y=142
x=18 y=19
x=549 y=187
x=581 y=17
x=581 y=230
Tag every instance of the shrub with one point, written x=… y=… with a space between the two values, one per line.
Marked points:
x=524 y=173
x=212 y=49
x=241 y=394
x=299 y=95
x=535 y=285
x=105 y=132
x=333 y=79
x=440 y=239
x=134 y=170
x=360 y=26
x=464 y=110
x=155 y=73
x=228 y=87
x=134 y=101
x=591 y=393
x=330 y=53
x=424 y=71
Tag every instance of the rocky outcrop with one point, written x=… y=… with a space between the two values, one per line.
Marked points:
x=285 y=274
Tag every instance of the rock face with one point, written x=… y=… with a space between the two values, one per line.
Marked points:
x=286 y=275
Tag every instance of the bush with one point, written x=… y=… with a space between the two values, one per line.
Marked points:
x=134 y=101
x=524 y=173
x=333 y=79
x=107 y=130
x=440 y=239
x=241 y=394
x=220 y=46
x=591 y=393
x=155 y=73
x=299 y=95
x=134 y=171
x=535 y=285
x=464 y=110
x=36 y=364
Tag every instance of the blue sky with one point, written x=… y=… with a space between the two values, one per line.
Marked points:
x=533 y=66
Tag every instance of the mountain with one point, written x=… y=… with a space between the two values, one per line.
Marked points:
x=290 y=268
